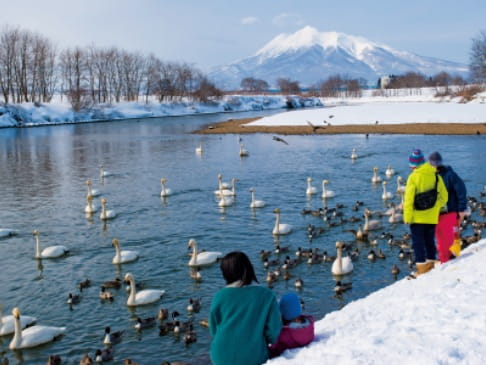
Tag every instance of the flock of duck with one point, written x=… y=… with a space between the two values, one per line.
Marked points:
x=28 y=334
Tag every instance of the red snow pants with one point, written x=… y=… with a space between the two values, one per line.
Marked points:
x=444 y=235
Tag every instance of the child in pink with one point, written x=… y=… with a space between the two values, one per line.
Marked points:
x=298 y=329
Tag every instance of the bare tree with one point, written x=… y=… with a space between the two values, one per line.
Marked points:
x=477 y=64
x=254 y=85
x=287 y=86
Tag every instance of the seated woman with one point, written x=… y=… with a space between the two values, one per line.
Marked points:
x=298 y=329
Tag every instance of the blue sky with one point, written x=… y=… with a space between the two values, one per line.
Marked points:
x=217 y=32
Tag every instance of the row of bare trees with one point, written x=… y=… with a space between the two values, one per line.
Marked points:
x=31 y=70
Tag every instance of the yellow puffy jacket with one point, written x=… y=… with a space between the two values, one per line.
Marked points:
x=420 y=180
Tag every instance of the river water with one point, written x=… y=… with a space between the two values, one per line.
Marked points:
x=42 y=186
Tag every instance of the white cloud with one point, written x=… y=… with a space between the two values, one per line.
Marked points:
x=286 y=19
x=249 y=20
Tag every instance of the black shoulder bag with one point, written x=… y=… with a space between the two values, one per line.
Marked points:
x=427 y=199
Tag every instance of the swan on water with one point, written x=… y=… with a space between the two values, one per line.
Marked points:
x=104 y=173
x=400 y=187
x=50 y=252
x=327 y=193
x=386 y=194
x=280 y=228
x=145 y=296
x=7 y=323
x=341 y=265
x=165 y=191
x=92 y=192
x=106 y=214
x=370 y=225
x=123 y=256
x=389 y=172
x=255 y=203
x=311 y=190
x=32 y=336
x=202 y=258
x=243 y=151
x=199 y=150
x=225 y=200
x=90 y=207
x=375 y=178
x=354 y=155
x=226 y=190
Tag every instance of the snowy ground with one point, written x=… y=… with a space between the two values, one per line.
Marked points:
x=439 y=318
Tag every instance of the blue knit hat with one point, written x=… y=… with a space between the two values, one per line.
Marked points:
x=416 y=158
x=290 y=306
x=435 y=159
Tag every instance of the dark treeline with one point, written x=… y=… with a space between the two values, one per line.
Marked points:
x=33 y=70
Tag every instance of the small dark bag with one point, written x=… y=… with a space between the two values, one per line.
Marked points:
x=427 y=199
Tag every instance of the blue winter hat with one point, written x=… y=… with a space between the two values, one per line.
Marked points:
x=290 y=306
x=416 y=158
x=435 y=159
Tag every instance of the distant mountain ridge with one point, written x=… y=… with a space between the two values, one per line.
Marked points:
x=309 y=56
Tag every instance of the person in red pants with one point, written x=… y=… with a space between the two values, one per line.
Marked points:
x=453 y=213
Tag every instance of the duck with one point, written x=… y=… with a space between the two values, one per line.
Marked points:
x=311 y=190
x=104 y=173
x=54 y=360
x=190 y=335
x=386 y=194
x=400 y=187
x=143 y=323
x=129 y=362
x=123 y=256
x=389 y=172
x=165 y=191
x=50 y=252
x=254 y=202
x=111 y=338
x=280 y=228
x=342 y=265
x=371 y=255
x=106 y=214
x=395 y=270
x=375 y=178
x=86 y=360
x=92 y=192
x=90 y=207
x=243 y=151
x=32 y=336
x=360 y=234
x=105 y=294
x=103 y=355
x=370 y=225
x=7 y=323
x=354 y=154
x=341 y=287
x=162 y=314
x=202 y=258
x=194 y=305
x=73 y=299
x=143 y=297
x=299 y=283
x=199 y=149
x=113 y=284
x=84 y=284
x=196 y=274
x=326 y=193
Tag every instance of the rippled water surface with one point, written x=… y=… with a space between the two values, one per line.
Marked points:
x=42 y=186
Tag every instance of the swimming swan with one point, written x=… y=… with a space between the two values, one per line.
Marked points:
x=146 y=296
x=122 y=257
x=104 y=173
x=50 y=252
x=327 y=193
x=165 y=191
x=400 y=187
x=243 y=151
x=225 y=200
x=90 y=207
x=199 y=150
x=375 y=178
x=386 y=194
x=354 y=155
x=106 y=214
x=370 y=225
x=280 y=228
x=7 y=323
x=32 y=336
x=255 y=203
x=92 y=192
x=389 y=172
x=226 y=191
x=342 y=265
x=202 y=258
x=311 y=190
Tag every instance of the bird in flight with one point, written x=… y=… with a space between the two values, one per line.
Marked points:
x=275 y=138
x=314 y=127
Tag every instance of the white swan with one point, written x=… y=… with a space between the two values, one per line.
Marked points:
x=122 y=257
x=243 y=151
x=280 y=228
x=106 y=214
x=199 y=150
x=165 y=191
x=90 y=207
x=202 y=258
x=104 y=173
x=7 y=323
x=395 y=217
x=386 y=194
x=92 y=192
x=225 y=200
x=50 y=252
x=389 y=172
x=32 y=336
x=327 y=193
x=311 y=190
x=370 y=225
x=222 y=190
x=400 y=187
x=354 y=155
x=7 y=232
x=255 y=203
x=146 y=296
x=341 y=265
x=375 y=179
x=221 y=184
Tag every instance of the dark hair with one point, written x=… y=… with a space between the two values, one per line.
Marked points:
x=237 y=266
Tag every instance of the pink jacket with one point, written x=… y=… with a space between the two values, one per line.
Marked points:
x=290 y=338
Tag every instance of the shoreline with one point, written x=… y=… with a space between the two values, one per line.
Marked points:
x=238 y=126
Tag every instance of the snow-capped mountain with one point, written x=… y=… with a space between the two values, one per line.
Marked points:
x=309 y=56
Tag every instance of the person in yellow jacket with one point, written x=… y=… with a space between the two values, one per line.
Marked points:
x=422 y=222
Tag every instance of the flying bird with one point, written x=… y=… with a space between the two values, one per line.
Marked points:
x=314 y=127
x=331 y=116
x=278 y=139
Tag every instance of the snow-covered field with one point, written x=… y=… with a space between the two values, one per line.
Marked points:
x=439 y=318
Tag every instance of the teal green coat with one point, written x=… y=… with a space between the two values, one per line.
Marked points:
x=420 y=180
x=243 y=322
